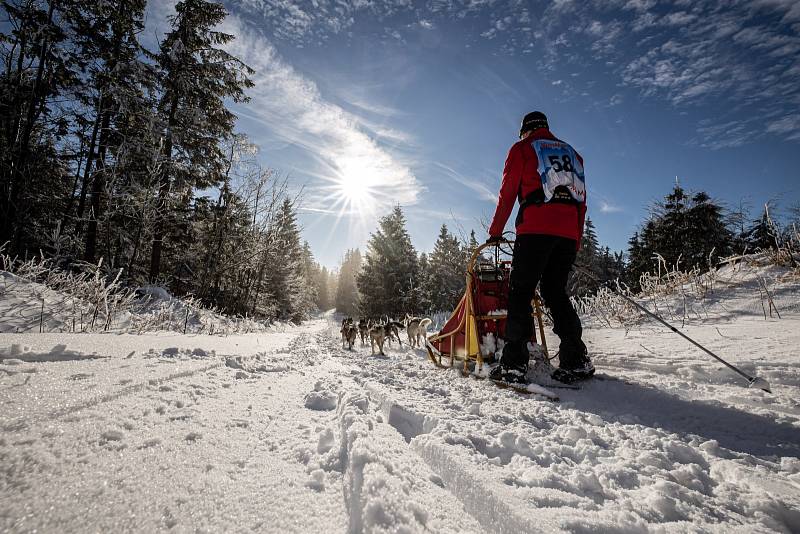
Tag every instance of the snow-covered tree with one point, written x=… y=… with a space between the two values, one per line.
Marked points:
x=389 y=281
x=285 y=277
x=37 y=72
x=197 y=78
x=584 y=279
x=763 y=233
x=444 y=274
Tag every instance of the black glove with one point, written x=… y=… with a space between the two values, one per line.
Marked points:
x=494 y=239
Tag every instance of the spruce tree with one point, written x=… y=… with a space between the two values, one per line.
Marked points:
x=286 y=275
x=322 y=292
x=116 y=85
x=425 y=298
x=197 y=76
x=389 y=281
x=445 y=278
x=37 y=70
x=672 y=226
x=707 y=237
x=584 y=279
x=641 y=254
x=762 y=233
x=684 y=231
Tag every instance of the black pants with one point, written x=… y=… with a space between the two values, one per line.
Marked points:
x=548 y=259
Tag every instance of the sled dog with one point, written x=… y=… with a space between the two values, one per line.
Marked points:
x=363 y=330
x=393 y=330
x=417 y=330
x=349 y=333
x=377 y=336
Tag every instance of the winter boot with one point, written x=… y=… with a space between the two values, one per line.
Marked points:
x=509 y=375
x=513 y=364
x=574 y=364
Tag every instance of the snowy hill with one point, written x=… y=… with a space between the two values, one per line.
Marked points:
x=287 y=432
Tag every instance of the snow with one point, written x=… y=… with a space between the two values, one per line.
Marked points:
x=285 y=431
x=27 y=306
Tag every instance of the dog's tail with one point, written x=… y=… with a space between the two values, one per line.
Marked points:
x=425 y=322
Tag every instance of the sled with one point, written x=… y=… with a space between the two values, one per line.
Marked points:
x=482 y=310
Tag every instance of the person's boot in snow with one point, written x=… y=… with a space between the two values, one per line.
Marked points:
x=510 y=375
x=574 y=363
x=513 y=365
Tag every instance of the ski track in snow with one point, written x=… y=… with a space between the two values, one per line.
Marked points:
x=288 y=432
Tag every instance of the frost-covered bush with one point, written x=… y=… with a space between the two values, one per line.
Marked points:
x=39 y=294
x=684 y=295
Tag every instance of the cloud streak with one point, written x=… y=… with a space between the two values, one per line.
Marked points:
x=338 y=143
x=479 y=187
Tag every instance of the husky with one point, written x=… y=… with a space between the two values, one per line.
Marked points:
x=363 y=330
x=393 y=330
x=377 y=336
x=349 y=333
x=417 y=330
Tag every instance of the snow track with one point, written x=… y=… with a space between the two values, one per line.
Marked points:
x=288 y=432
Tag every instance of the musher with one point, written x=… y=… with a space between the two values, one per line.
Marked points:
x=546 y=175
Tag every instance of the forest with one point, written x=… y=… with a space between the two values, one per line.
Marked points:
x=127 y=157
x=120 y=157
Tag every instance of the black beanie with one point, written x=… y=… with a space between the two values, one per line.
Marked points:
x=532 y=121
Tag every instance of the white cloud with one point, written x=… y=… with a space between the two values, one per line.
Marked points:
x=788 y=124
x=292 y=109
x=606 y=207
x=689 y=52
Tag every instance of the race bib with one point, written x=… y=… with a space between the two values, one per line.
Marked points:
x=559 y=167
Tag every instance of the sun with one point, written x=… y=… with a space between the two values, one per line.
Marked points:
x=355 y=188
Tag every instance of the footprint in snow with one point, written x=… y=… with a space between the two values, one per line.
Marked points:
x=322 y=400
x=112 y=435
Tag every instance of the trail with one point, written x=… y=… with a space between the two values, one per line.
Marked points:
x=288 y=432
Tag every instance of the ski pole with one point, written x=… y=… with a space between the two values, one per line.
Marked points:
x=752 y=381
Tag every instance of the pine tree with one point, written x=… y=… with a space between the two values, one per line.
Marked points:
x=286 y=275
x=445 y=278
x=707 y=238
x=641 y=254
x=37 y=69
x=321 y=281
x=687 y=232
x=672 y=226
x=469 y=247
x=584 y=279
x=763 y=232
x=196 y=77
x=107 y=40
x=426 y=296
x=389 y=281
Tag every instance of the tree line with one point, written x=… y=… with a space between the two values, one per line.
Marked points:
x=682 y=230
x=392 y=279
x=111 y=150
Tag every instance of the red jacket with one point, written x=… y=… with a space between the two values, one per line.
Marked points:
x=520 y=178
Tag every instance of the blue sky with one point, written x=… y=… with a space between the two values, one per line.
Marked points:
x=368 y=104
